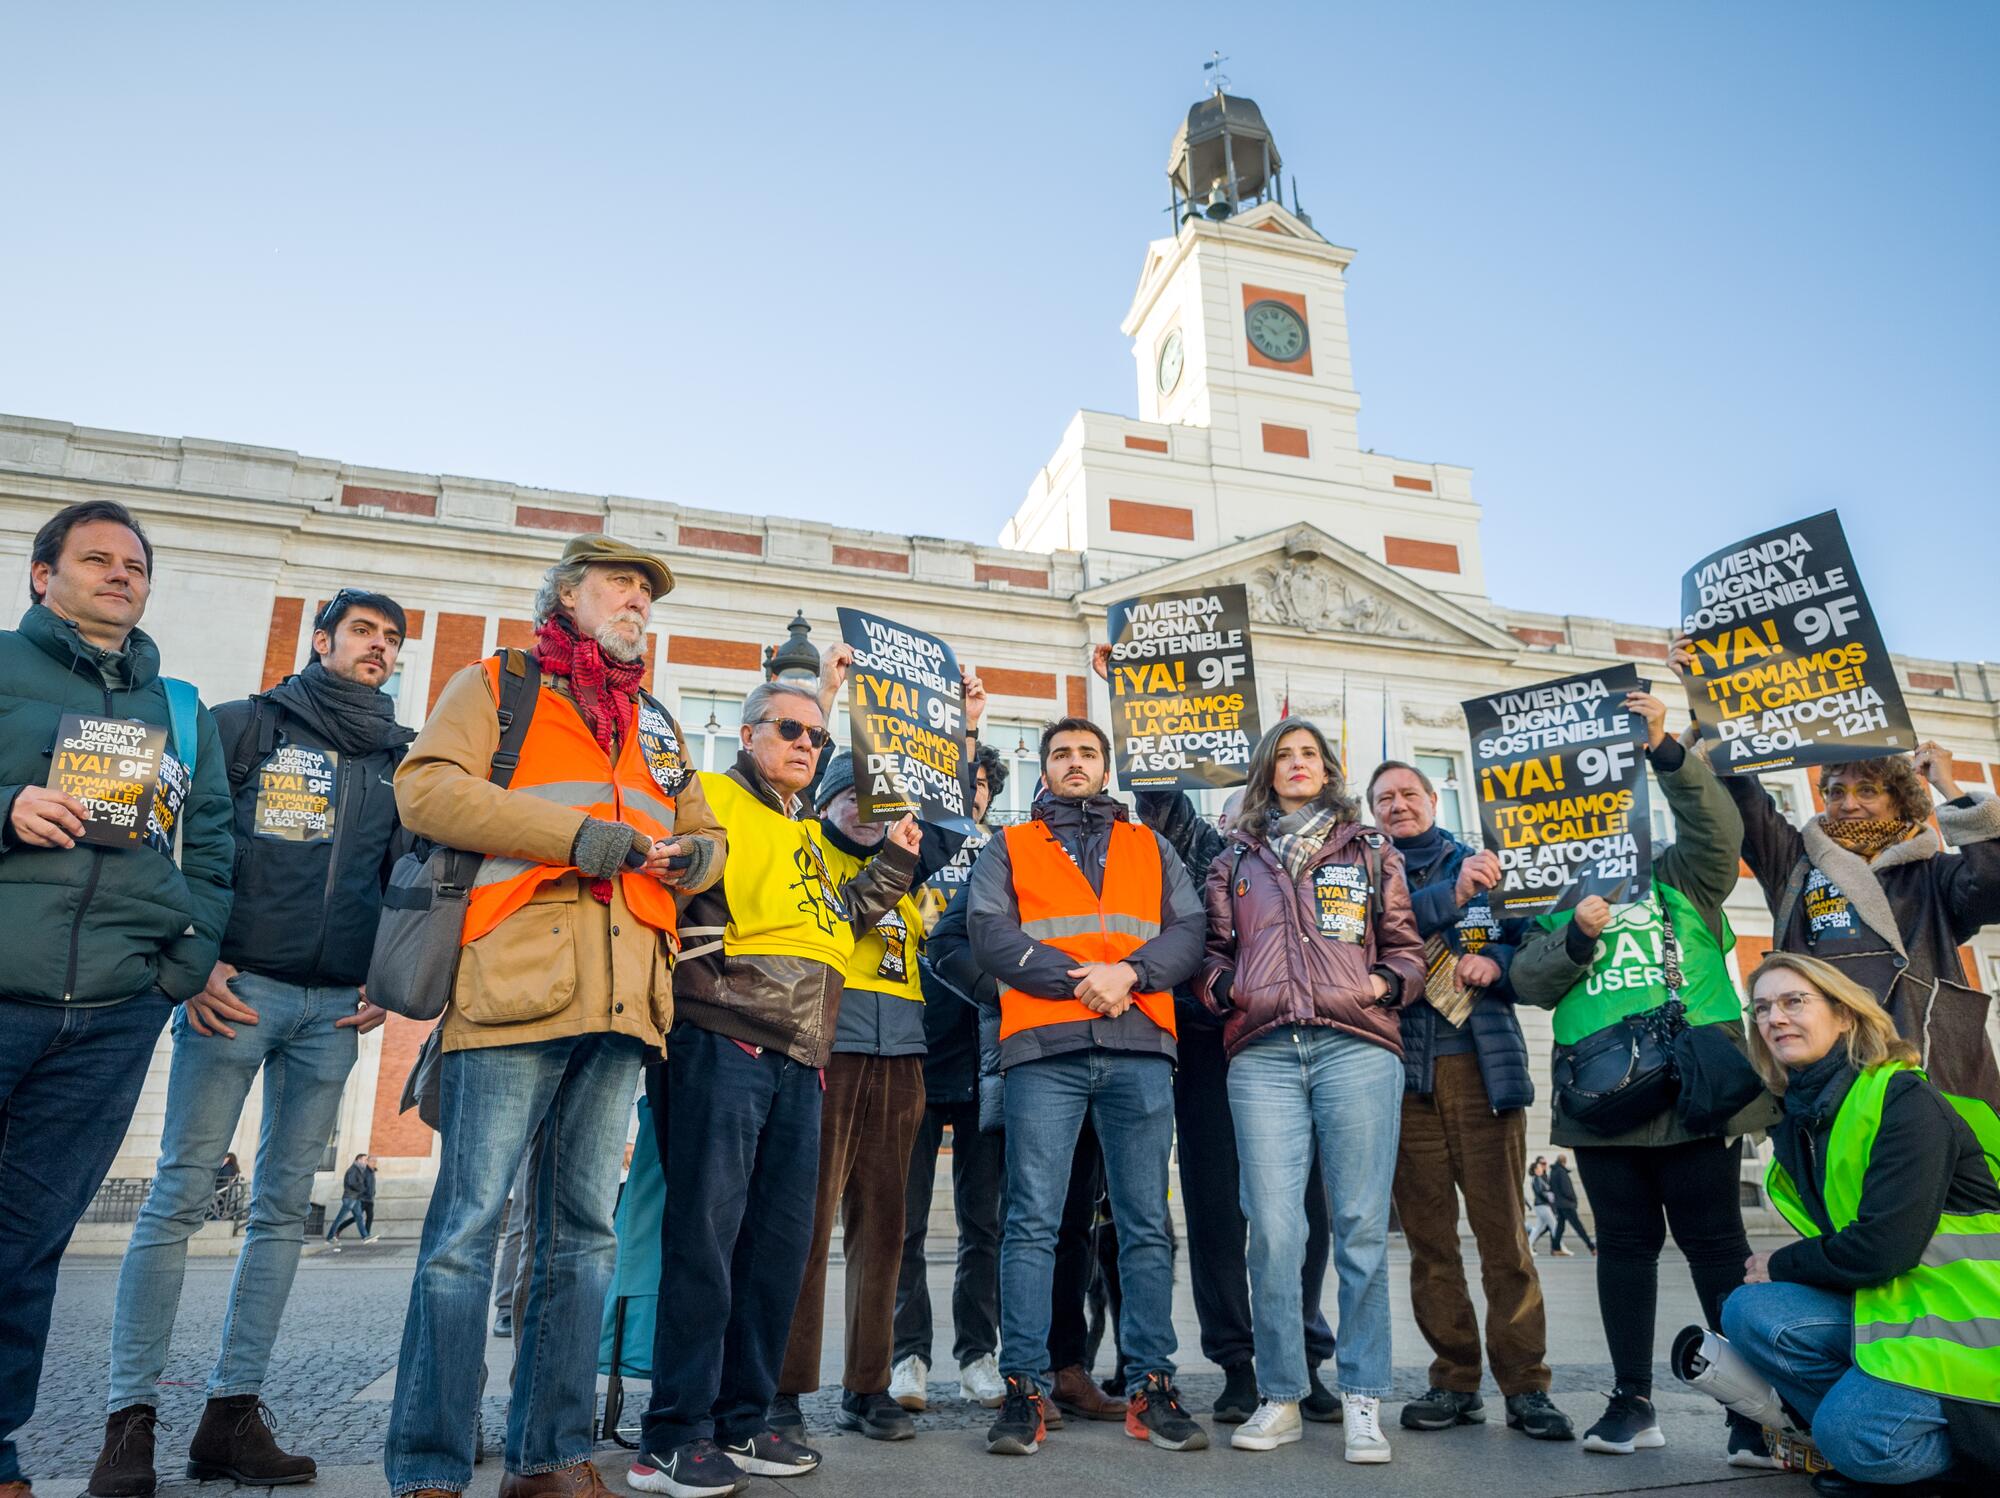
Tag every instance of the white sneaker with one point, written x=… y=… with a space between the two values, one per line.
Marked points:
x=1276 y=1423
x=980 y=1383
x=1365 y=1441
x=909 y=1383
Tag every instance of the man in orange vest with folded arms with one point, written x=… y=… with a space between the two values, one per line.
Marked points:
x=1086 y=920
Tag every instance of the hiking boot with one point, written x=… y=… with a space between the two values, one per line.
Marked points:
x=1020 y=1430
x=695 y=1469
x=234 y=1440
x=875 y=1415
x=909 y=1384
x=1238 y=1400
x=786 y=1420
x=1441 y=1409
x=979 y=1382
x=125 y=1466
x=1535 y=1416
x=1077 y=1393
x=577 y=1480
x=1628 y=1424
x=1747 y=1446
x=1275 y=1423
x=1154 y=1414
x=1322 y=1405
x=1362 y=1414
x=768 y=1454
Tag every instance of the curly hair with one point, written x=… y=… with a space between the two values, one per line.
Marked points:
x=1897 y=775
x=988 y=759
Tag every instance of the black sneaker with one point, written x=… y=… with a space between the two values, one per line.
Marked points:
x=875 y=1415
x=1321 y=1404
x=1441 y=1409
x=1747 y=1446
x=695 y=1469
x=768 y=1454
x=1535 y=1416
x=1019 y=1431
x=1155 y=1414
x=1628 y=1424
x=786 y=1420
x=1238 y=1400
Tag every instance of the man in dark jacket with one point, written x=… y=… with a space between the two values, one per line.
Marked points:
x=108 y=938
x=1211 y=1194
x=309 y=767
x=355 y=1187
x=1465 y=1128
x=1562 y=1196
x=1086 y=1031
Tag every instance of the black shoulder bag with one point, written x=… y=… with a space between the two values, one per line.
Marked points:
x=1625 y=1074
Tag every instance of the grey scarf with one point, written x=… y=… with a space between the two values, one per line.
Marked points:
x=1297 y=836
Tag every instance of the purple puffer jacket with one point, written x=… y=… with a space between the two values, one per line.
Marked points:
x=1279 y=967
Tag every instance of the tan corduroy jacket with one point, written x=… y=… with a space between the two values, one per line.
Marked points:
x=563 y=964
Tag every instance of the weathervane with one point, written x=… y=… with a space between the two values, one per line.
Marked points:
x=1213 y=75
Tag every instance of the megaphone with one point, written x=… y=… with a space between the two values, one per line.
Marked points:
x=1706 y=1363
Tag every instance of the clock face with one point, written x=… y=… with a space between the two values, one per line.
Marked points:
x=1275 y=331
x=1170 y=362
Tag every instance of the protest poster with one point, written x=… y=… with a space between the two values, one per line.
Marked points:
x=1561 y=770
x=112 y=766
x=1788 y=666
x=1183 y=689
x=295 y=801
x=907 y=710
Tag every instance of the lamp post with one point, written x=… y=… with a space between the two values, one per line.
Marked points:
x=797 y=660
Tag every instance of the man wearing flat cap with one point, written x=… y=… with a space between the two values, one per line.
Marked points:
x=589 y=829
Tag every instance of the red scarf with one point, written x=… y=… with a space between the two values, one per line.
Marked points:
x=609 y=713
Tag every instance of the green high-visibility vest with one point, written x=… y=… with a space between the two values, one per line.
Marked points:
x=1628 y=972
x=1937 y=1326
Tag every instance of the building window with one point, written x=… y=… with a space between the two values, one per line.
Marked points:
x=1019 y=745
x=710 y=721
x=1442 y=772
x=1663 y=817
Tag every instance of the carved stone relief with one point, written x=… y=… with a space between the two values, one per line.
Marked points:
x=1423 y=715
x=1311 y=593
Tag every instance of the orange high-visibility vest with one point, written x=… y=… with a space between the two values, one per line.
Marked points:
x=1059 y=907
x=562 y=763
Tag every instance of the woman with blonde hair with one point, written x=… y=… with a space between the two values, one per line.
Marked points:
x=1881 y=1326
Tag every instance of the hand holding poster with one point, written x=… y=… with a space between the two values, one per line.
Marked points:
x=1183 y=692
x=908 y=713
x=111 y=765
x=1788 y=664
x=1562 y=791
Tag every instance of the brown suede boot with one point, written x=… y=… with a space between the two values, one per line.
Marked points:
x=1077 y=1392
x=579 y=1481
x=234 y=1440
x=125 y=1466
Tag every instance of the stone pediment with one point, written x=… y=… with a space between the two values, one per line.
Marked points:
x=1302 y=578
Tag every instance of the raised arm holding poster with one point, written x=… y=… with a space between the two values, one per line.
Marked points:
x=907 y=709
x=1561 y=768
x=1787 y=666
x=1183 y=690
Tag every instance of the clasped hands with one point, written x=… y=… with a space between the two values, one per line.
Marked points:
x=1105 y=987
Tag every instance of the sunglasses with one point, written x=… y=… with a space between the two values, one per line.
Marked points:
x=790 y=728
x=331 y=613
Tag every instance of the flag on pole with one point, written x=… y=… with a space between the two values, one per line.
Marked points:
x=1343 y=724
x=1285 y=707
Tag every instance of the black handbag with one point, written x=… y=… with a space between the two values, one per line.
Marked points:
x=1625 y=1074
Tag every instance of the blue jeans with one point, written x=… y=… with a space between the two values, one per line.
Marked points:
x=1802 y=1339
x=305 y=1062
x=69 y=1080
x=1130 y=1101
x=739 y=1136
x=1293 y=1092
x=351 y=1210
x=577 y=1093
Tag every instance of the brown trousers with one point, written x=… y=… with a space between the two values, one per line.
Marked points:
x=1453 y=1141
x=868 y=1122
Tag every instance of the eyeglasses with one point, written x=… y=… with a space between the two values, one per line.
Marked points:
x=790 y=728
x=1787 y=1004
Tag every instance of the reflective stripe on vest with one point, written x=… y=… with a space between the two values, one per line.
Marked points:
x=1057 y=906
x=1937 y=1326
x=563 y=764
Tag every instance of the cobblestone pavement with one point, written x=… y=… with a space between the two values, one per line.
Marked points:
x=332 y=1372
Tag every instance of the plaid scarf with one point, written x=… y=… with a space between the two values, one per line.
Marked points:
x=609 y=713
x=1297 y=836
x=1866 y=838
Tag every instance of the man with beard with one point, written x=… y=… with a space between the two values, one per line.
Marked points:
x=309 y=763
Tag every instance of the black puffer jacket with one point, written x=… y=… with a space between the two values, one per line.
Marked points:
x=1172 y=814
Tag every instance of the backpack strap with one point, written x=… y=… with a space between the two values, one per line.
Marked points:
x=1372 y=843
x=520 y=689
x=255 y=743
x=184 y=718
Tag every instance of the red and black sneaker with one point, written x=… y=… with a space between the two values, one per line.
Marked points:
x=1155 y=1415
x=1020 y=1430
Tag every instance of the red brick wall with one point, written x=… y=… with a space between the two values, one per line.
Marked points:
x=1932 y=681
x=1286 y=442
x=395 y=501
x=731 y=655
x=1002 y=681
x=535 y=517
x=1078 y=692
x=1652 y=650
x=1529 y=636
x=1431 y=556
x=401 y=1135
x=713 y=540
x=1137 y=518
x=875 y=561
x=1146 y=444
x=1020 y=577
x=460 y=640
x=1404 y=481
x=281 y=641
x=514 y=634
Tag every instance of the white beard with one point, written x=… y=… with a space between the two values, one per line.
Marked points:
x=616 y=646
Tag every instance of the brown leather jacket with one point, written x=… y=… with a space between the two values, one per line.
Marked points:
x=1271 y=960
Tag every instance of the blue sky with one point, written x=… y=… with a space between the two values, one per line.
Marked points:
x=1661 y=275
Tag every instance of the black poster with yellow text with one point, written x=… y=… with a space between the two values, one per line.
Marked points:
x=1183 y=689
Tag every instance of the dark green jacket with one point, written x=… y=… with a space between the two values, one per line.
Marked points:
x=101 y=925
